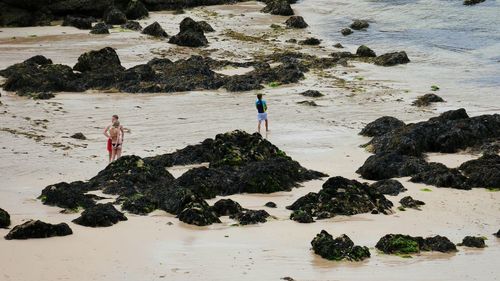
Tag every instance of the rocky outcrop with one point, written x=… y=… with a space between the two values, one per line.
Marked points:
x=68 y=195
x=4 y=218
x=78 y=22
x=473 y=242
x=409 y=202
x=405 y=244
x=388 y=165
x=132 y=25
x=311 y=41
x=100 y=28
x=312 y=94
x=191 y=34
x=439 y=175
x=251 y=217
x=114 y=16
x=346 y=31
x=427 y=99
x=388 y=187
x=296 y=22
x=155 y=30
x=359 y=24
x=100 y=215
x=483 y=172
x=365 y=52
x=341 y=196
x=278 y=7
x=391 y=59
x=382 y=126
x=226 y=207
x=337 y=249
x=38 y=229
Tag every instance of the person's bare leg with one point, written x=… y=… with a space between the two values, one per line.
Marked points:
x=110 y=155
x=118 y=153
x=267 y=125
x=258 y=127
x=113 y=155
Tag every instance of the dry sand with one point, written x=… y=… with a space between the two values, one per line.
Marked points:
x=37 y=153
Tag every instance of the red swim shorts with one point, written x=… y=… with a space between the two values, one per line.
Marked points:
x=109 y=146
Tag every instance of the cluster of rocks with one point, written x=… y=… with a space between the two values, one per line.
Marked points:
x=406 y=244
x=388 y=59
x=399 y=150
x=337 y=249
x=427 y=99
x=239 y=163
x=356 y=25
x=339 y=196
x=278 y=7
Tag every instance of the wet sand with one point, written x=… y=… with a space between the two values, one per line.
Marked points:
x=158 y=246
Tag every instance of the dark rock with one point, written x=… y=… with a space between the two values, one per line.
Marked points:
x=100 y=28
x=497 y=234
x=78 y=22
x=472 y=2
x=338 y=46
x=483 y=172
x=115 y=16
x=365 y=52
x=473 y=242
x=427 y=99
x=346 y=31
x=251 y=217
x=136 y=10
x=190 y=34
x=439 y=244
x=301 y=216
x=359 y=24
x=38 y=229
x=226 y=207
x=439 y=175
x=296 y=22
x=310 y=41
x=388 y=187
x=42 y=96
x=36 y=61
x=388 y=165
x=79 y=136
x=198 y=213
x=139 y=204
x=340 y=248
x=270 y=204
x=101 y=60
x=381 y=126
x=155 y=30
x=409 y=202
x=292 y=40
x=4 y=218
x=278 y=7
x=132 y=25
x=67 y=195
x=205 y=26
x=100 y=215
x=341 y=196
x=405 y=244
x=312 y=94
x=391 y=59
x=308 y=102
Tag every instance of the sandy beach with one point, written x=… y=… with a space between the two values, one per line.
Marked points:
x=36 y=151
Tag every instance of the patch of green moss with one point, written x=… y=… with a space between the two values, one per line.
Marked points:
x=42 y=198
x=401 y=208
x=242 y=37
x=426 y=189
x=493 y=189
x=434 y=88
x=274 y=84
x=404 y=245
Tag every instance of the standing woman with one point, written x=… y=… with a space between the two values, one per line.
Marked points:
x=116 y=136
x=114 y=119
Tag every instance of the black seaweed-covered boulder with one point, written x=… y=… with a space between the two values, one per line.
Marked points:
x=155 y=30
x=270 y=204
x=439 y=175
x=4 y=218
x=132 y=25
x=346 y=31
x=341 y=196
x=38 y=229
x=359 y=24
x=100 y=60
x=391 y=59
x=405 y=244
x=388 y=187
x=301 y=216
x=365 y=52
x=473 y=242
x=388 y=165
x=136 y=10
x=278 y=7
x=198 y=213
x=311 y=41
x=312 y=94
x=36 y=61
x=78 y=22
x=100 y=215
x=337 y=249
x=208 y=182
x=472 y=2
x=205 y=26
x=497 y=234
x=115 y=16
x=382 y=126
x=191 y=34
x=483 y=172
x=139 y=204
x=251 y=217
x=100 y=28
x=427 y=99
x=296 y=22
x=226 y=207
x=439 y=244
x=78 y=136
x=409 y=202
x=68 y=195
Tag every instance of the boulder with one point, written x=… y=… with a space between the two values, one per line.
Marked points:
x=427 y=99
x=198 y=213
x=382 y=126
x=226 y=207
x=308 y=103
x=388 y=165
x=139 y=204
x=439 y=175
x=251 y=217
x=301 y=216
x=359 y=24
x=341 y=196
x=191 y=34
x=337 y=249
x=472 y=2
x=405 y=244
x=270 y=204
x=155 y=30
x=388 y=187
x=205 y=26
x=311 y=41
x=132 y=25
x=365 y=52
x=4 y=219
x=473 y=242
x=78 y=22
x=115 y=16
x=409 y=202
x=338 y=46
x=100 y=28
x=346 y=31
x=100 y=215
x=497 y=234
x=38 y=229
x=17 y=68
x=78 y=136
x=296 y=22
x=312 y=94
x=391 y=59
x=278 y=7
x=67 y=195
x=42 y=96
x=136 y=10
x=101 y=60
x=483 y=172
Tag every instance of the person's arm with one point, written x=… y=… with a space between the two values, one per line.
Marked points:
x=106 y=130
x=123 y=132
x=265 y=106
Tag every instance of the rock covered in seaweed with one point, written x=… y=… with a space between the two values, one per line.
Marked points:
x=439 y=175
x=473 y=242
x=100 y=28
x=132 y=25
x=191 y=34
x=337 y=249
x=405 y=244
x=483 y=172
x=136 y=10
x=101 y=60
x=296 y=22
x=409 y=202
x=115 y=16
x=251 y=217
x=359 y=24
x=78 y=22
x=278 y=7
x=301 y=216
x=68 y=195
x=365 y=52
x=381 y=126
x=4 y=218
x=312 y=94
x=227 y=207
x=346 y=31
x=388 y=187
x=155 y=30
x=198 y=213
x=38 y=229
x=100 y=215
x=311 y=41
x=391 y=59
x=388 y=165
x=427 y=99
